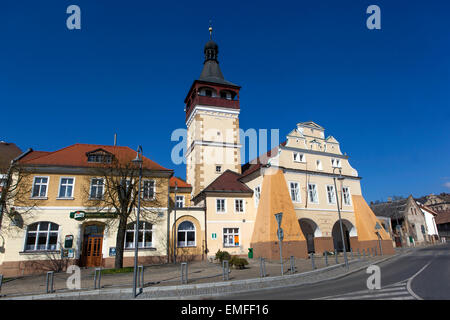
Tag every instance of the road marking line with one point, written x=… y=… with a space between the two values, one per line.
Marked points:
x=381 y=295
x=408 y=285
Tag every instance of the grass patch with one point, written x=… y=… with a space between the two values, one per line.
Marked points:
x=121 y=270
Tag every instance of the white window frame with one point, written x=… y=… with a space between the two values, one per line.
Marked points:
x=232 y=234
x=60 y=185
x=103 y=189
x=224 y=205
x=47 y=232
x=154 y=190
x=46 y=187
x=257 y=193
x=186 y=245
x=328 y=194
x=349 y=196
x=299 y=157
x=298 y=200
x=243 y=205
x=319 y=165
x=316 y=193
x=336 y=163
x=143 y=231
x=182 y=202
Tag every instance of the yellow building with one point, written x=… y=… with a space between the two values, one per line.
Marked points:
x=315 y=179
x=73 y=205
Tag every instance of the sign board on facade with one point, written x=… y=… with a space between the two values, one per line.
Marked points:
x=112 y=251
x=81 y=215
x=68 y=241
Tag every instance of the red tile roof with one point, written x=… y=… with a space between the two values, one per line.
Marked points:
x=75 y=156
x=228 y=182
x=257 y=163
x=180 y=183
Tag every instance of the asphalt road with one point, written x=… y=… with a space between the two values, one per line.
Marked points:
x=422 y=274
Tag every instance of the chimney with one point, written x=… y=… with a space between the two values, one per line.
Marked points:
x=115 y=139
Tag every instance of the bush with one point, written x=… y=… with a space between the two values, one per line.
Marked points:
x=238 y=263
x=222 y=255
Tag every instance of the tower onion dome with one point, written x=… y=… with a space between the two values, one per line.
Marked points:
x=211 y=71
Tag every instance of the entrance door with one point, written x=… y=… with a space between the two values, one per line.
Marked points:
x=93 y=251
x=92 y=246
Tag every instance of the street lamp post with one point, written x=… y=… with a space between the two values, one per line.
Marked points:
x=339 y=213
x=175 y=225
x=138 y=160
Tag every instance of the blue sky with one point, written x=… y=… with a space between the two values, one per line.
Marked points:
x=384 y=94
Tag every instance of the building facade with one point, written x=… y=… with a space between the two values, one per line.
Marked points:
x=72 y=210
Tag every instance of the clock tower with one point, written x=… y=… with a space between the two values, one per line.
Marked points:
x=212 y=120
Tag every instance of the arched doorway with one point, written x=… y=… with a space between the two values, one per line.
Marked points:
x=348 y=229
x=310 y=230
x=91 y=254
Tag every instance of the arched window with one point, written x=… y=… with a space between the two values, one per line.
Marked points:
x=145 y=235
x=186 y=234
x=42 y=236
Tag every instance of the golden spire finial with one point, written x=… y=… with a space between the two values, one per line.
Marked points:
x=210 y=30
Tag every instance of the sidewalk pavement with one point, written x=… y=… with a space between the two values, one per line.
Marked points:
x=204 y=279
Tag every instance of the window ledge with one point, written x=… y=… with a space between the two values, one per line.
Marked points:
x=39 y=198
x=39 y=251
x=65 y=198
x=140 y=249
x=96 y=199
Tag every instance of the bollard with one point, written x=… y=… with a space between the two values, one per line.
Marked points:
x=292 y=268
x=335 y=254
x=226 y=270
x=49 y=281
x=359 y=255
x=1 y=282
x=326 y=258
x=140 y=278
x=351 y=252
x=262 y=267
x=364 y=254
x=184 y=272
x=97 y=278
x=312 y=260
x=375 y=252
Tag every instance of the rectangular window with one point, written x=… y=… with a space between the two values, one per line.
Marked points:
x=295 y=191
x=149 y=190
x=336 y=163
x=346 y=196
x=218 y=169
x=96 y=189
x=66 y=188
x=299 y=157
x=319 y=165
x=331 y=195
x=40 y=186
x=312 y=193
x=220 y=205
x=239 y=205
x=257 y=195
x=231 y=237
x=179 y=202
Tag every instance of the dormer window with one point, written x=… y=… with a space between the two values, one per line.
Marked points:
x=99 y=156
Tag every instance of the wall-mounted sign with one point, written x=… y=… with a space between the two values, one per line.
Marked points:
x=81 y=215
x=112 y=251
x=68 y=241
